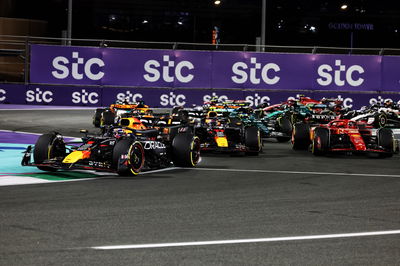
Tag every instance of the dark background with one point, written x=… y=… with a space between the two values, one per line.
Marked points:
x=289 y=22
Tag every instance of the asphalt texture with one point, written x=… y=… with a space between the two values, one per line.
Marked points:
x=281 y=193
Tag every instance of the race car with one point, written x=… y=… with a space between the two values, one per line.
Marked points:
x=124 y=150
x=111 y=115
x=222 y=134
x=377 y=115
x=343 y=135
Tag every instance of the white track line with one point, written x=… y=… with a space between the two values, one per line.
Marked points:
x=289 y=172
x=243 y=241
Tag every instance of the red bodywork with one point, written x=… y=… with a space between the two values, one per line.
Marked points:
x=357 y=133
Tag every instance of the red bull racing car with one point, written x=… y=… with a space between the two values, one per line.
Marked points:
x=126 y=150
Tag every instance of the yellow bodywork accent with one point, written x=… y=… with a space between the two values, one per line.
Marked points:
x=221 y=142
x=75 y=156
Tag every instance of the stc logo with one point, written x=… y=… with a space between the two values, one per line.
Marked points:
x=129 y=96
x=39 y=96
x=156 y=70
x=328 y=75
x=222 y=98
x=256 y=99
x=172 y=99
x=255 y=73
x=85 y=97
x=64 y=67
x=2 y=95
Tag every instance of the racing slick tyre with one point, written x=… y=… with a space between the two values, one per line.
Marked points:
x=97 y=116
x=133 y=154
x=235 y=122
x=48 y=146
x=175 y=110
x=183 y=116
x=285 y=125
x=320 y=142
x=380 y=120
x=301 y=136
x=252 y=140
x=107 y=118
x=385 y=139
x=185 y=150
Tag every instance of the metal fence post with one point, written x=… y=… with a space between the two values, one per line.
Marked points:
x=26 y=61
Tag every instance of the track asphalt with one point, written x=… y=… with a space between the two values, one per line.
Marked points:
x=285 y=195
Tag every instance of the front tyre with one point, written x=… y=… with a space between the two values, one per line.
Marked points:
x=48 y=146
x=385 y=140
x=380 y=120
x=185 y=150
x=301 y=136
x=252 y=140
x=128 y=157
x=320 y=142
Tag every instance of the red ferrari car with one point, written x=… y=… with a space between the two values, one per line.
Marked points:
x=343 y=135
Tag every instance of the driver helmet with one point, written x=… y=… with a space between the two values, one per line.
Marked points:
x=388 y=103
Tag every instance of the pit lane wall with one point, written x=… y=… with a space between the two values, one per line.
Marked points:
x=94 y=76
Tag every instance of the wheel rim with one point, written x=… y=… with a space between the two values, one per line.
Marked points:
x=195 y=151
x=136 y=157
x=56 y=149
x=382 y=121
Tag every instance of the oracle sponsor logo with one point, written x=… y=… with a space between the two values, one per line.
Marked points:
x=153 y=145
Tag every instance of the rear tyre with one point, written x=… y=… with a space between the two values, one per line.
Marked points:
x=385 y=139
x=235 y=122
x=48 y=146
x=285 y=125
x=301 y=136
x=183 y=115
x=380 y=120
x=185 y=150
x=320 y=142
x=252 y=140
x=97 y=116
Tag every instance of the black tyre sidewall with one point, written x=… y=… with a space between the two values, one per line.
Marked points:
x=385 y=139
x=182 y=150
x=42 y=150
x=323 y=136
x=252 y=140
x=97 y=117
x=107 y=118
x=301 y=136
